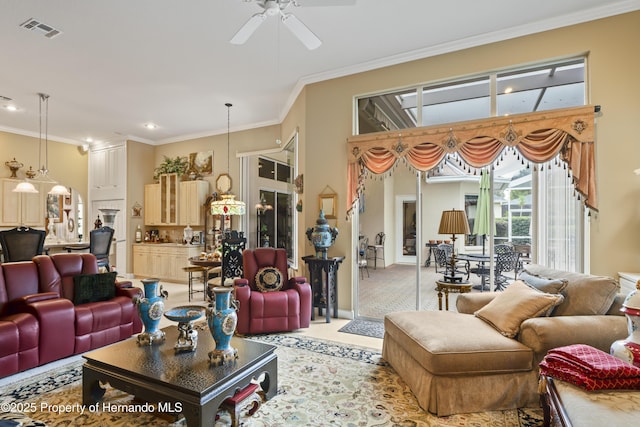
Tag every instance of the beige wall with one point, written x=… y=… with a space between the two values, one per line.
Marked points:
x=612 y=74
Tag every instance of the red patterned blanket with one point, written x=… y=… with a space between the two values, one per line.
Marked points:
x=590 y=368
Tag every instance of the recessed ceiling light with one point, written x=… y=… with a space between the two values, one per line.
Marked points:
x=508 y=90
x=150 y=126
x=89 y=139
x=11 y=108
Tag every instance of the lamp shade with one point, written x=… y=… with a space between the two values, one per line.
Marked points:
x=454 y=222
x=227 y=205
x=59 y=190
x=25 y=187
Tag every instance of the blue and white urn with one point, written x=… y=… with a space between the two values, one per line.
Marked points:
x=222 y=320
x=322 y=236
x=151 y=308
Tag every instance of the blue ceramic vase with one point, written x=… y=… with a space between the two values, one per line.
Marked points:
x=322 y=236
x=151 y=308
x=222 y=320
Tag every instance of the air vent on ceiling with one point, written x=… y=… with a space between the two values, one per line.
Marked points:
x=47 y=30
x=5 y=98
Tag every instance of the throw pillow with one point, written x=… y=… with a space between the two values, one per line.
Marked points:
x=584 y=295
x=517 y=303
x=544 y=284
x=269 y=279
x=94 y=287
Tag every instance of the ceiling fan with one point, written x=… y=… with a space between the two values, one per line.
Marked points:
x=277 y=8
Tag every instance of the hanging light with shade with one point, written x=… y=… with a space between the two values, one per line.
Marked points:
x=228 y=205
x=43 y=173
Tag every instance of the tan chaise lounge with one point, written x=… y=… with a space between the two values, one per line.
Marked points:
x=458 y=362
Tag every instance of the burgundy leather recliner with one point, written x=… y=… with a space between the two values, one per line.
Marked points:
x=39 y=322
x=286 y=309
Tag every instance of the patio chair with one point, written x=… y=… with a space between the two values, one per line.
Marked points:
x=524 y=256
x=506 y=260
x=443 y=260
x=375 y=250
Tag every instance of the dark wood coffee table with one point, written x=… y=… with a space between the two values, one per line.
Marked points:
x=183 y=382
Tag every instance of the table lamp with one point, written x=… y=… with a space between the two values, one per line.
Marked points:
x=453 y=222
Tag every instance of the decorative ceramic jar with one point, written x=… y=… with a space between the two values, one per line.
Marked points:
x=151 y=308
x=222 y=320
x=13 y=166
x=322 y=236
x=185 y=316
x=628 y=349
x=187 y=234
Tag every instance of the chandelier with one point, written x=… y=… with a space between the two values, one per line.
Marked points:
x=43 y=173
x=228 y=205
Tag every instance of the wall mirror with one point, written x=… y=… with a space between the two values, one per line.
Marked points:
x=329 y=204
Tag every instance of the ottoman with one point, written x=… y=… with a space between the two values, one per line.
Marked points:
x=457 y=363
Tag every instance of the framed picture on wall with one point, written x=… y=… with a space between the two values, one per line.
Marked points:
x=54 y=207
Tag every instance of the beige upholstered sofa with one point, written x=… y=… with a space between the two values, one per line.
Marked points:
x=485 y=356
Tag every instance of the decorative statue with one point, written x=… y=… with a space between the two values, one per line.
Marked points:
x=322 y=236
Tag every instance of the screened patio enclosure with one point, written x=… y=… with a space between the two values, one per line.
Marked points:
x=533 y=140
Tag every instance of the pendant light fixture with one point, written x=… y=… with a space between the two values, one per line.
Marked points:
x=228 y=205
x=43 y=173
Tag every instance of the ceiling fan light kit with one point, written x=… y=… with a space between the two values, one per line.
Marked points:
x=273 y=8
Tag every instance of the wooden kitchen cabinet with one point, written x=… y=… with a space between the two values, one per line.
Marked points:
x=152 y=204
x=163 y=260
x=26 y=209
x=169 y=197
x=193 y=194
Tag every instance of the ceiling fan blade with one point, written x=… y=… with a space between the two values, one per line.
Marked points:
x=306 y=36
x=313 y=3
x=248 y=29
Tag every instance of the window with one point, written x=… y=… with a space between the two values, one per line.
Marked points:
x=556 y=216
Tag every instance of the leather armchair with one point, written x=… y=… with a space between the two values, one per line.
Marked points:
x=286 y=309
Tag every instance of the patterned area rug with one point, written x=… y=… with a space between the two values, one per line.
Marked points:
x=367 y=328
x=320 y=383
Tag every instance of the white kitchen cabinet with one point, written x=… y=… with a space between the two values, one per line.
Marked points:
x=193 y=194
x=107 y=172
x=26 y=209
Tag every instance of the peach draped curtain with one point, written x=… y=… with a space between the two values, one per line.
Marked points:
x=539 y=137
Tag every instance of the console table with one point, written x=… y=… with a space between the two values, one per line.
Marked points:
x=323 y=276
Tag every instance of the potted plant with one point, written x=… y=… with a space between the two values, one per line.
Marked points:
x=176 y=165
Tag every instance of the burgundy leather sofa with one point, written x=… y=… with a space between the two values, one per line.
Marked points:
x=286 y=309
x=39 y=322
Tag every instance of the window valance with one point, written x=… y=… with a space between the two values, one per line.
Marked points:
x=539 y=137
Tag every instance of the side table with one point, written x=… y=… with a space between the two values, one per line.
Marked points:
x=459 y=287
x=323 y=276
